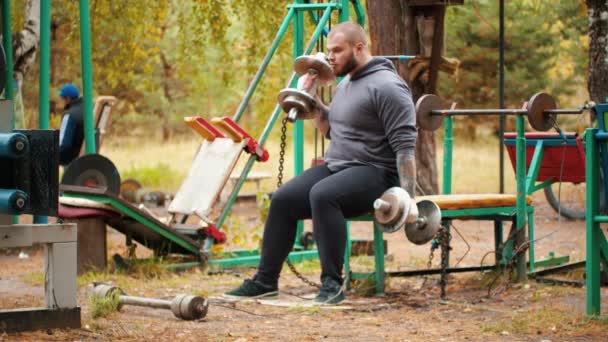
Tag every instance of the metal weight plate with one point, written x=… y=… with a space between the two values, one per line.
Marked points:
x=424 y=106
x=536 y=107
x=318 y=62
x=293 y=98
x=189 y=307
x=128 y=189
x=390 y=221
x=428 y=224
x=93 y=170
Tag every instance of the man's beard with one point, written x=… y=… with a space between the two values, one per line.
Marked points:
x=348 y=67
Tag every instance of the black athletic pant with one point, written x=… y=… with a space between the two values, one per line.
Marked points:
x=328 y=198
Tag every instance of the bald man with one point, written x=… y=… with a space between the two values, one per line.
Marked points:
x=372 y=130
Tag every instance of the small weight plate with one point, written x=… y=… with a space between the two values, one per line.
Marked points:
x=318 y=62
x=421 y=233
x=424 y=106
x=290 y=97
x=537 y=105
x=128 y=189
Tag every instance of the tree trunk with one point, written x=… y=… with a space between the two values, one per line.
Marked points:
x=167 y=75
x=25 y=42
x=598 y=39
x=393 y=31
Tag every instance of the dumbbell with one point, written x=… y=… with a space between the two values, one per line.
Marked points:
x=541 y=110
x=396 y=208
x=186 y=307
x=300 y=103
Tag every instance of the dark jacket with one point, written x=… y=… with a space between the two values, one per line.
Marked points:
x=71 y=135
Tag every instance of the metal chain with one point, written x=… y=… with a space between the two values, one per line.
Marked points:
x=444 y=241
x=279 y=183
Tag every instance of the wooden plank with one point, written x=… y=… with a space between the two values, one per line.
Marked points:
x=38 y=319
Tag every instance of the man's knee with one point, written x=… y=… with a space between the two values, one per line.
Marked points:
x=282 y=198
x=320 y=195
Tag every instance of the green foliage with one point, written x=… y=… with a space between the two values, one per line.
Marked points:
x=151 y=176
x=545 y=50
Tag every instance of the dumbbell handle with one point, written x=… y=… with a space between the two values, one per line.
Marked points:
x=380 y=204
x=147 y=302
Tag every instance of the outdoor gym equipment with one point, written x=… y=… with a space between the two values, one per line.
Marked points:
x=394 y=209
x=93 y=170
x=299 y=103
x=183 y=306
x=541 y=110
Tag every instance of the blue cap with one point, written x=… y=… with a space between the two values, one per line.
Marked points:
x=69 y=91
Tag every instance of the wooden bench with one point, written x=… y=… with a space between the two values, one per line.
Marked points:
x=490 y=207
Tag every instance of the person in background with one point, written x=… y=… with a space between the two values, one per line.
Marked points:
x=71 y=134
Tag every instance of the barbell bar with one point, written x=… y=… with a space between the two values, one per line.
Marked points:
x=541 y=110
x=186 y=307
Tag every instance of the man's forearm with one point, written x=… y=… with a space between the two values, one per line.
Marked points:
x=406 y=167
x=321 y=121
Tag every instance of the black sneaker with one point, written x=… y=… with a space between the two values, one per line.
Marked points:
x=252 y=289
x=331 y=292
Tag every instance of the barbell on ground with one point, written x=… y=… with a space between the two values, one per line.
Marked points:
x=396 y=208
x=299 y=103
x=186 y=307
x=541 y=110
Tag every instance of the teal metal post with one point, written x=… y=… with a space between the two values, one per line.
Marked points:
x=344 y=14
x=520 y=161
x=298 y=126
x=45 y=64
x=7 y=43
x=87 y=76
x=45 y=75
x=592 y=267
x=448 y=142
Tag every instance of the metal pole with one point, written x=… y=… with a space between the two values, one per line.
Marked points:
x=45 y=62
x=298 y=126
x=501 y=90
x=592 y=267
x=520 y=162
x=87 y=76
x=45 y=76
x=7 y=43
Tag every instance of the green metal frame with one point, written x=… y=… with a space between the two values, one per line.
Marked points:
x=295 y=17
x=596 y=244
x=504 y=252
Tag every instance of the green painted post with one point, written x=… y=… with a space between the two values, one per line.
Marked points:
x=298 y=126
x=347 y=252
x=45 y=64
x=344 y=12
x=45 y=75
x=520 y=160
x=87 y=76
x=448 y=142
x=379 y=259
x=7 y=43
x=592 y=266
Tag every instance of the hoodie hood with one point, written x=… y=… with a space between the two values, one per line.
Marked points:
x=376 y=64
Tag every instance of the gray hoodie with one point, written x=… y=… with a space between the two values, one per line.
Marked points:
x=371 y=118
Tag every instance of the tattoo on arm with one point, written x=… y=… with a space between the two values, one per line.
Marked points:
x=406 y=166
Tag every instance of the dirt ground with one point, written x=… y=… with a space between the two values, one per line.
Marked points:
x=410 y=310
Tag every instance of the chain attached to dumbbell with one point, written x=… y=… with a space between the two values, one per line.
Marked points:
x=186 y=307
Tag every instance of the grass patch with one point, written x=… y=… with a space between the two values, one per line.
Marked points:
x=548 y=320
x=103 y=307
x=34 y=278
x=158 y=175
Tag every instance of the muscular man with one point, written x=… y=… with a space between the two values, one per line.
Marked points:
x=372 y=131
